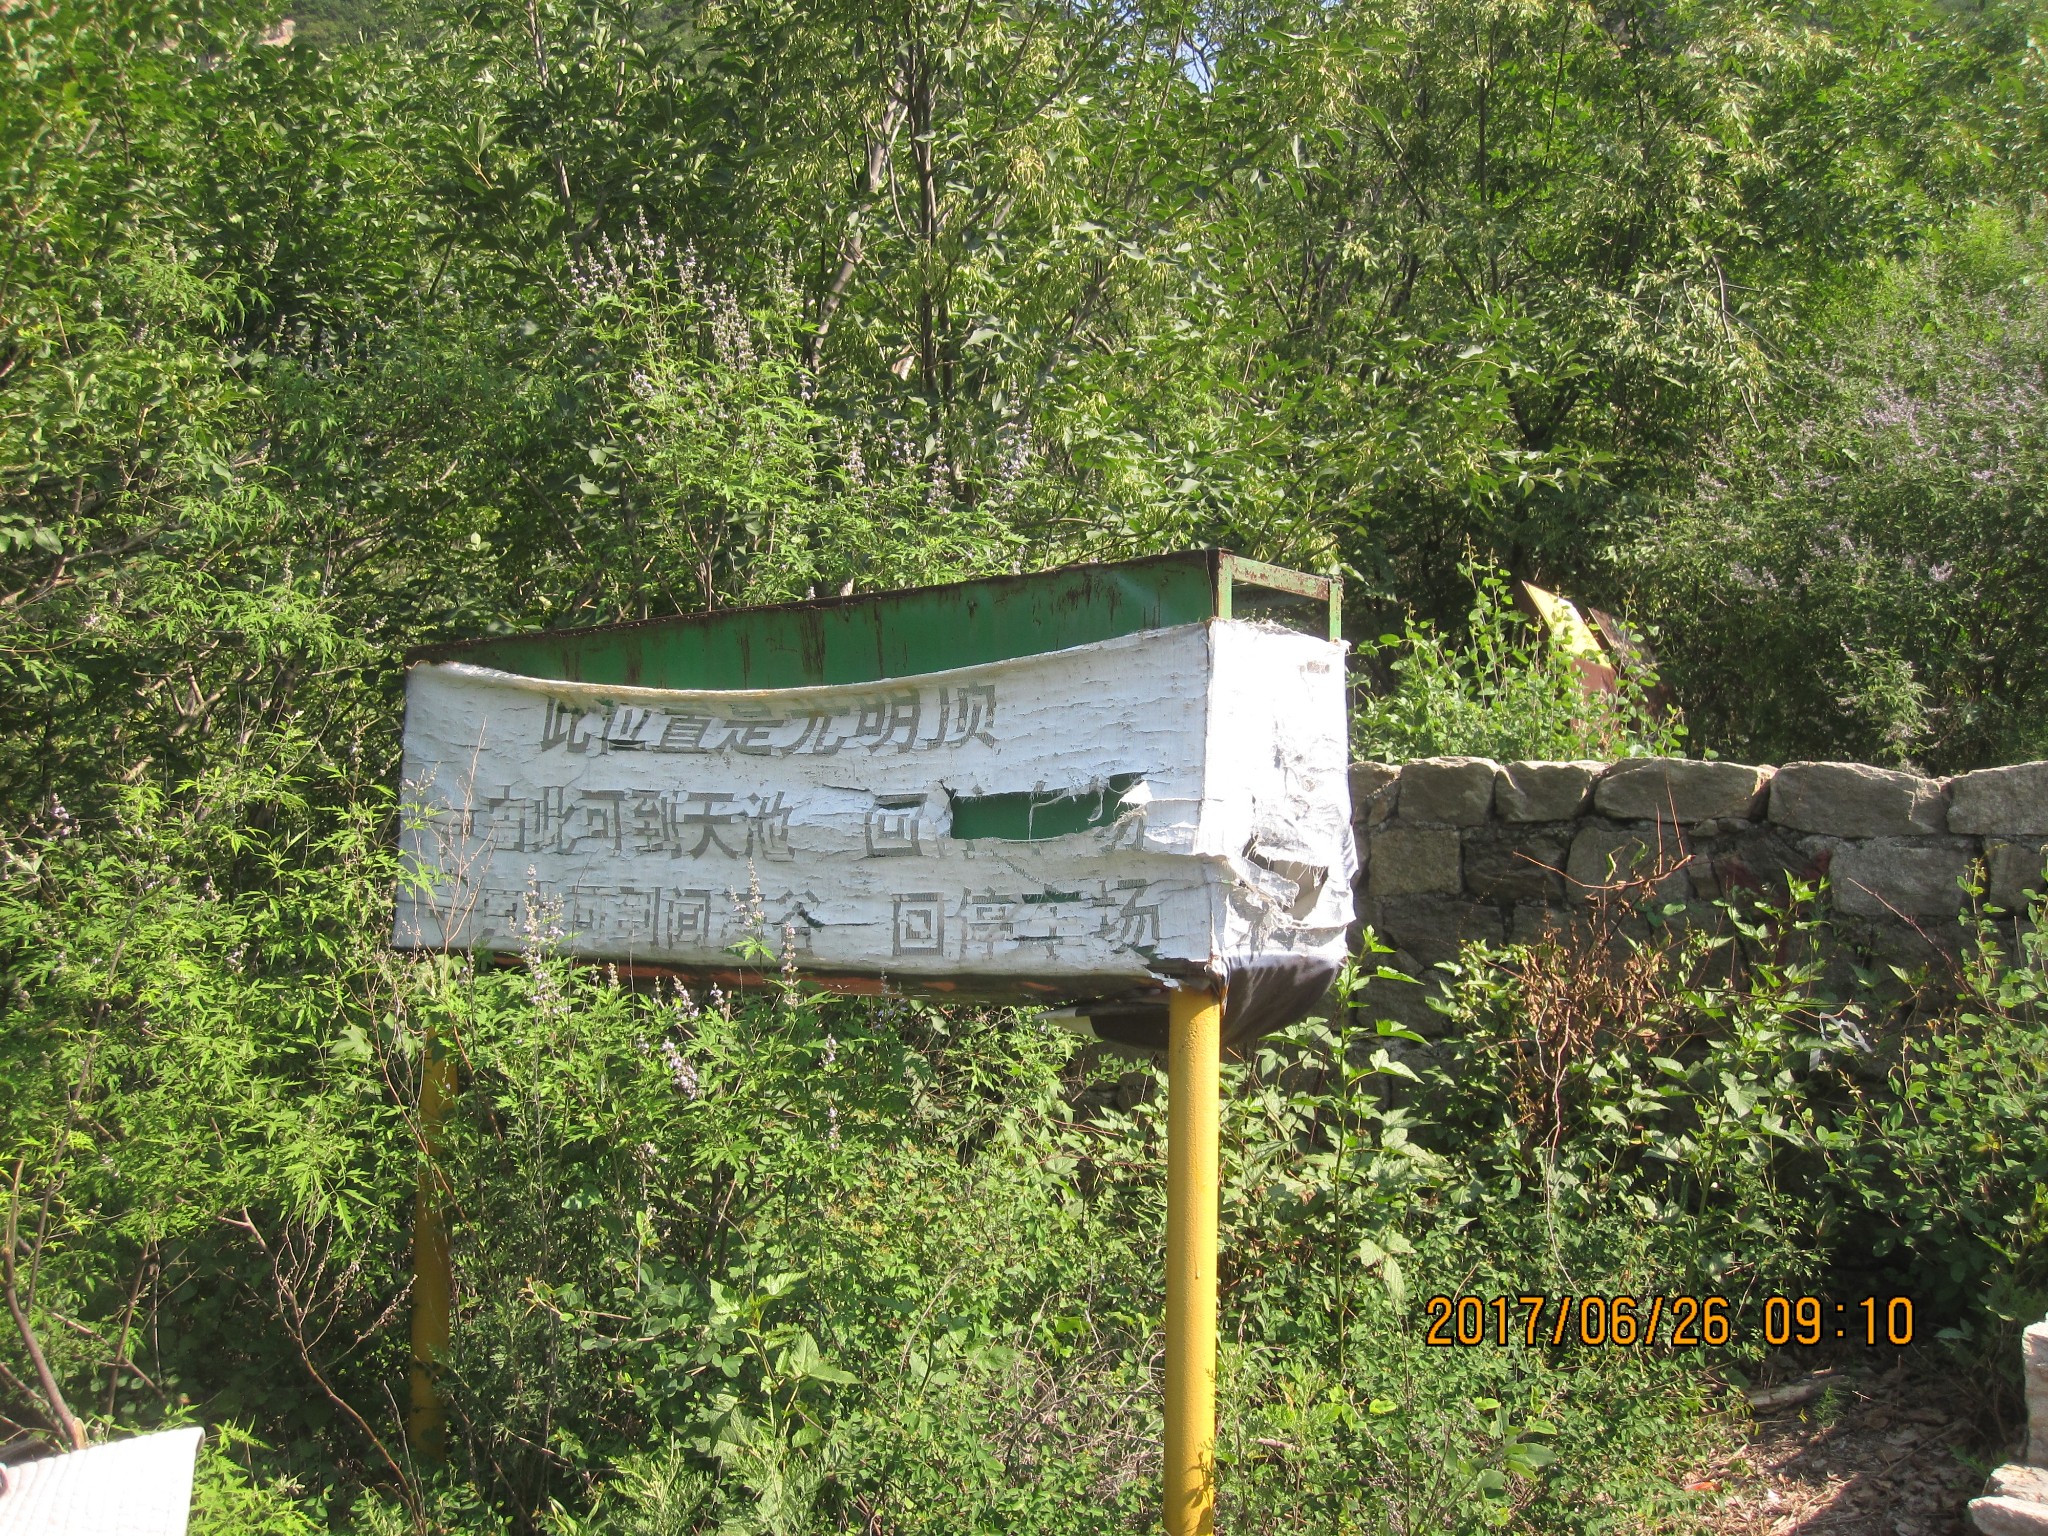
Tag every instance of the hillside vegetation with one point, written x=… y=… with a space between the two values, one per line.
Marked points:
x=449 y=320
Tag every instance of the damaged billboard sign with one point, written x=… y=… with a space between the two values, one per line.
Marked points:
x=1085 y=825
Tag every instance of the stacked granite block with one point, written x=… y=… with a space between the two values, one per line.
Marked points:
x=1463 y=848
x=2015 y=1501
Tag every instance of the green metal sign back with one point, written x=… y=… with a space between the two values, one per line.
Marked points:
x=925 y=629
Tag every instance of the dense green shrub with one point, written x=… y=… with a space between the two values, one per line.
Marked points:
x=782 y=1262
x=1946 y=1159
x=1778 y=1128
x=1862 y=573
x=1499 y=690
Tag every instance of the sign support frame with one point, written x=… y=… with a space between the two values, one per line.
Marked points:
x=1193 y=1109
x=433 y=1279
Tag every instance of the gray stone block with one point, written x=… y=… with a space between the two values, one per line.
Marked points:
x=1680 y=789
x=1750 y=857
x=1908 y=943
x=1413 y=861
x=1432 y=928
x=1701 y=915
x=2011 y=800
x=1899 y=877
x=1608 y=856
x=1855 y=800
x=2015 y=869
x=1404 y=1002
x=1543 y=791
x=1534 y=922
x=1453 y=791
x=2001 y=1516
x=1374 y=787
x=1725 y=826
x=1514 y=868
x=1365 y=912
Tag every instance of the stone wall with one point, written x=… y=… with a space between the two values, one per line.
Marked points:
x=2015 y=1501
x=1460 y=848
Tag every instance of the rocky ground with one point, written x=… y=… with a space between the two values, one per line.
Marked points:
x=1861 y=1447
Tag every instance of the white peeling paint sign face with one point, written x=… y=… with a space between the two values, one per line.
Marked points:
x=141 y=1486
x=1160 y=804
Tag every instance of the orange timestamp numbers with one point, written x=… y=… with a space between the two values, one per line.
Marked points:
x=1677 y=1322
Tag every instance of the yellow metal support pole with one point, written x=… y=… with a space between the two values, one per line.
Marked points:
x=433 y=1283
x=1194 y=1061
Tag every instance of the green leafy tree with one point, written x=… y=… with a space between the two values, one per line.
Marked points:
x=1864 y=575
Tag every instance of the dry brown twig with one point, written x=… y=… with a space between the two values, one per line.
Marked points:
x=53 y=1395
x=1585 y=989
x=292 y=1310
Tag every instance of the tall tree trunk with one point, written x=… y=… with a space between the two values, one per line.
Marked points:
x=927 y=220
x=881 y=143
